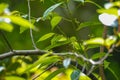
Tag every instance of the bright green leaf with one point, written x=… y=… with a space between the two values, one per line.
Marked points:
x=46 y=36
x=20 y=21
x=89 y=24
x=106 y=64
x=55 y=20
x=113 y=11
x=99 y=41
x=6 y=26
x=52 y=75
x=50 y=9
x=75 y=75
x=3 y=6
x=110 y=40
x=13 y=78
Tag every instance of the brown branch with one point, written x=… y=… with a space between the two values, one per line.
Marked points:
x=21 y=52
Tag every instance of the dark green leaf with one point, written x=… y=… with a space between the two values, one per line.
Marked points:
x=49 y=77
x=75 y=75
x=50 y=9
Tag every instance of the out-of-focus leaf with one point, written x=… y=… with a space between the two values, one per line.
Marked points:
x=20 y=21
x=98 y=55
x=66 y=62
x=117 y=3
x=49 y=77
x=57 y=44
x=13 y=78
x=84 y=77
x=50 y=9
x=98 y=41
x=42 y=60
x=110 y=40
x=6 y=26
x=106 y=64
x=88 y=24
x=22 y=29
x=55 y=20
x=46 y=36
x=113 y=11
x=3 y=6
x=80 y=1
x=75 y=75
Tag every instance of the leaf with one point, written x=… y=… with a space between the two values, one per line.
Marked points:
x=46 y=36
x=110 y=40
x=66 y=62
x=99 y=41
x=13 y=78
x=112 y=11
x=49 y=77
x=75 y=75
x=20 y=21
x=50 y=9
x=43 y=60
x=98 y=55
x=106 y=64
x=55 y=20
x=80 y=1
x=6 y=26
x=22 y=29
x=89 y=24
x=3 y=6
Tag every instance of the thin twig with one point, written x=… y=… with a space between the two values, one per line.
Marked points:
x=31 y=32
x=7 y=42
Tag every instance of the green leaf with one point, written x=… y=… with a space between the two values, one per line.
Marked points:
x=98 y=55
x=45 y=59
x=106 y=64
x=3 y=6
x=46 y=36
x=13 y=78
x=75 y=75
x=6 y=26
x=55 y=20
x=52 y=75
x=80 y=1
x=99 y=41
x=66 y=62
x=113 y=11
x=22 y=29
x=50 y=9
x=89 y=24
x=20 y=21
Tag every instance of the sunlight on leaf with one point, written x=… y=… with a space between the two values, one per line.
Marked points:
x=66 y=62
x=6 y=26
x=55 y=20
x=3 y=6
x=50 y=9
x=14 y=78
x=20 y=21
x=46 y=36
x=99 y=41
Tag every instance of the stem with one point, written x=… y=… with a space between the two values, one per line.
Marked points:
x=7 y=42
x=31 y=32
x=101 y=68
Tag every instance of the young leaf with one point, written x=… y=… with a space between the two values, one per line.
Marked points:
x=6 y=26
x=50 y=9
x=3 y=6
x=55 y=20
x=89 y=24
x=99 y=41
x=75 y=75
x=46 y=36
x=49 y=77
x=66 y=62
x=20 y=21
